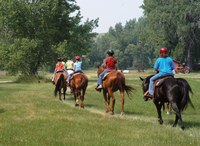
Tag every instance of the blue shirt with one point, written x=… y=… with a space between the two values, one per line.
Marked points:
x=164 y=65
x=78 y=65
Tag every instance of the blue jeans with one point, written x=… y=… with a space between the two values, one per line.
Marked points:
x=68 y=77
x=101 y=76
x=152 y=80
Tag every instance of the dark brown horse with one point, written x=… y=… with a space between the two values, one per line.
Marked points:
x=60 y=83
x=113 y=82
x=78 y=85
x=174 y=91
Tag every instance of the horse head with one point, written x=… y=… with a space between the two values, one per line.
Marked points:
x=100 y=69
x=145 y=83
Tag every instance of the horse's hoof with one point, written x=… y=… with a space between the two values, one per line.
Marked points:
x=160 y=121
x=76 y=104
x=122 y=113
x=182 y=127
x=112 y=113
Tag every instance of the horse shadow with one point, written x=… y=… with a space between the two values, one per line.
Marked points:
x=131 y=113
x=89 y=105
x=2 y=111
x=188 y=124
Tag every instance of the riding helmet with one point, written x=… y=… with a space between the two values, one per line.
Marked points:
x=163 y=50
x=110 y=52
x=77 y=57
x=59 y=59
x=62 y=58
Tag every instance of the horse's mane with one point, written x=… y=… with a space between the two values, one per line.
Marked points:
x=148 y=78
x=100 y=65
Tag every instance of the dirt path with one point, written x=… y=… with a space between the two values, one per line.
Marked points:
x=2 y=82
x=116 y=115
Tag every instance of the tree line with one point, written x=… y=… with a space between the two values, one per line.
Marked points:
x=166 y=23
x=34 y=33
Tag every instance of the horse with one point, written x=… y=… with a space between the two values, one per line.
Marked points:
x=114 y=81
x=167 y=107
x=175 y=91
x=60 y=83
x=78 y=84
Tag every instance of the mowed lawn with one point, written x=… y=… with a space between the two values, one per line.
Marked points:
x=30 y=115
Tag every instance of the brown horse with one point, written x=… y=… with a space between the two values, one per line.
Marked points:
x=78 y=85
x=60 y=83
x=113 y=82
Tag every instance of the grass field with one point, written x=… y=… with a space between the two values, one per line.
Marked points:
x=30 y=115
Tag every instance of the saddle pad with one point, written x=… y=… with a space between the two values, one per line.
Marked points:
x=76 y=73
x=160 y=80
x=107 y=73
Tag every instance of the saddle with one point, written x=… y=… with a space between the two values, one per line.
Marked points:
x=76 y=73
x=59 y=71
x=158 y=82
x=106 y=74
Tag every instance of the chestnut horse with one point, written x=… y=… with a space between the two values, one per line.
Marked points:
x=60 y=83
x=114 y=81
x=78 y=85
x=174 y=91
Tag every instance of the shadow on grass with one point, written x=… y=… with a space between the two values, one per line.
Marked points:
x=2 y=111
x=188 y=124
x=133 y=113
x=89 y=105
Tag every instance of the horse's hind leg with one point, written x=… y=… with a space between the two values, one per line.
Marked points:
x=64 y=92
x=111 y=94
x=158 y=107
x=60 y=93
x=76 y=93
x=108 y=109
x=178 y=116
x=122 y=101
x=82 y=98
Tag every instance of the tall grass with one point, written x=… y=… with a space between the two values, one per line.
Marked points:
x=30 y=115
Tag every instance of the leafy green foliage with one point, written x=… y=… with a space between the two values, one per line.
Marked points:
x=35 y=33
x=166 y=23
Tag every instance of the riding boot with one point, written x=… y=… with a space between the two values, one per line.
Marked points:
x=147 y=95
x=97 y=88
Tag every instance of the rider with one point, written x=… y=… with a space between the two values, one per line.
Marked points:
x=164 y=65
x=59 y=67
x=77 y=67
x=63 y=62
x=69 y=64
x=111 y=64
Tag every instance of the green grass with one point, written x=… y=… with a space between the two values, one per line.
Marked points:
x=30 y=115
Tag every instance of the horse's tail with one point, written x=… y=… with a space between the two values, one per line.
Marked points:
x=185 y=90
x=128 y=89
x=84 y=83
x=121 y=82
x=59 y=82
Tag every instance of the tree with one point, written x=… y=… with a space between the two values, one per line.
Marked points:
x=37 y=32
x=177 y=23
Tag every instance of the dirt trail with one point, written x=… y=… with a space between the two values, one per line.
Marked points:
x=116 y=115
